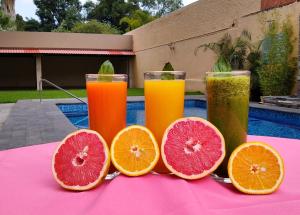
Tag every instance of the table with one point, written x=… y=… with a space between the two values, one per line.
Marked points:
x=27 y=187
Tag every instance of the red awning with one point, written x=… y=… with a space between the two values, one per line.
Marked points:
x=65 y=51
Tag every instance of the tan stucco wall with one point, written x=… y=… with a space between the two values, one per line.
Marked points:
x=199 y=23
x=64 y=40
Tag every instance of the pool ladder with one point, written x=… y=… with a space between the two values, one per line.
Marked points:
x=67 y=92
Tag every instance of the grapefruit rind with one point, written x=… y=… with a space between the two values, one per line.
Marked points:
x=205 y=172
x=136 y=173
x=251 y=191
x=103 y=172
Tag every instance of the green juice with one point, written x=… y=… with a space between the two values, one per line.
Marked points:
x=227 y=109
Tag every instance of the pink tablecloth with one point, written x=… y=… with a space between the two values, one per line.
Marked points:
x=27 y=187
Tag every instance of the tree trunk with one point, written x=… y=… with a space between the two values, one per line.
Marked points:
x=8 y=7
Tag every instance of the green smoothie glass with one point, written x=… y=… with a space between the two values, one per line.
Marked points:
x=227 y=109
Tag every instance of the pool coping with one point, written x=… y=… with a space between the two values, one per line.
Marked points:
x=194 y=97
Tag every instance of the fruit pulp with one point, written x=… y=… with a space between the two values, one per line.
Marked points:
x=164 y=103
x=228 y=105
x=107 y=107
x=134 y=151
x=192 y=148
x=81 y=161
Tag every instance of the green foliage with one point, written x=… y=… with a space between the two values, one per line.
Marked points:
x=53 y=13
x=32 y=25
x=87 y=9
x=20 y=23
x=94 y=27
x=106 y=70
x=27 y=25
x=161 y=7
x=137 y=19
x=114 y=16
x=168 y=67
x=130 y=14
x=232 y=51
x=167 y=75
x=254 y=64
x=277 y=73
x=72 y=17
x=6 y=24
x=222 y=65
x=112 y=11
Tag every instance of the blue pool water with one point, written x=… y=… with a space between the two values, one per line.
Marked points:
x=261 y=121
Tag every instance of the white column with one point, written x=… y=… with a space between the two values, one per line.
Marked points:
x=38 y=64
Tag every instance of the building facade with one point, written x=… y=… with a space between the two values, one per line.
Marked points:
x=64 y=58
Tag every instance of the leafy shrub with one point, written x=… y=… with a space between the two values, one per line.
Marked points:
x=93 y=27
x=230 y=51
x=277 y=74
x=6 y=23
x=254 y=64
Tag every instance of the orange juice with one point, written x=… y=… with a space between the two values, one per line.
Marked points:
x=164 y=103
x=107 y=107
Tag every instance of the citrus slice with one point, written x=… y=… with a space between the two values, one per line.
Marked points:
x=134 y=151
x=192 y=148
x=256 y=168
x=81 y=161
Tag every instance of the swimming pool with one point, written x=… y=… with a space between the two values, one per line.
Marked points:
x=261 y=121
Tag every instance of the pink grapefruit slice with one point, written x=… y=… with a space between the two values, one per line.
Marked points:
x=81 y=161
x=192 y=148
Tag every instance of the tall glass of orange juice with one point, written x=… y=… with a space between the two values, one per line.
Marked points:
x=107 y=104
x=164 y=103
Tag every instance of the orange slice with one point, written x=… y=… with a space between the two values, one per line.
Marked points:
x=256 y=168
x=134 y=151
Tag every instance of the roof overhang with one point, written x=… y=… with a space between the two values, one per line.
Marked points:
x=65 y=51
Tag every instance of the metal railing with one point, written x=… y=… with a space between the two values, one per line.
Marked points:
x=57 y=87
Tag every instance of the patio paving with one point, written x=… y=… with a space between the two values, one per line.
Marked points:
x=4 y=112
x=31 y=122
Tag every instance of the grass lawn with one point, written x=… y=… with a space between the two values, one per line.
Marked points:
x=12 y=96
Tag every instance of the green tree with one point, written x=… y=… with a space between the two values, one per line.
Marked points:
x=87 y=9
x=112 y=11
x=20 y=23
x=72 y=17
x=160 y=7
x=53 y=13
x=6 y=23
x=27 y=24
x=32 y=25
x=137 y=19
x=94 y=26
